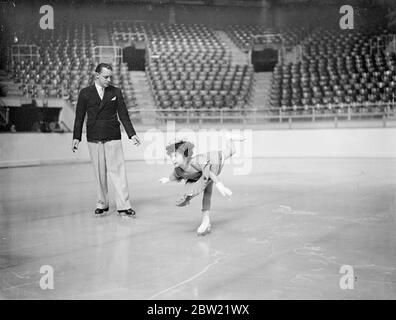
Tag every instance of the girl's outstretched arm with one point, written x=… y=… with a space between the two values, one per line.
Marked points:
x=164 y=180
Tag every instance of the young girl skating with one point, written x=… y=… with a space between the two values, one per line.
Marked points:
x=200 y=173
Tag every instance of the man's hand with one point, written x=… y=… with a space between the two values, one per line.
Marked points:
x=164 y=180
x=75 y=143
x=223 y=190
x=136 y=140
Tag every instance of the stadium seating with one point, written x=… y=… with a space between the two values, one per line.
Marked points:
x=189 y=68
x=337 y=69
x=199 y=86
x=66 y=64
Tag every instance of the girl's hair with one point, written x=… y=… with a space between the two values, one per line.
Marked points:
x=183 y=146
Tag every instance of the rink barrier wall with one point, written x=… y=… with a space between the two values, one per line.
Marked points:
x=26 y=149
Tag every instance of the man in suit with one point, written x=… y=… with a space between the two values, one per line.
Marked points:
x=102 y=102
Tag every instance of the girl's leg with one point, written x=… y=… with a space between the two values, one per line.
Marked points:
x=192 y=189
x=207 y=197
x=229 y=150
x=206 y=201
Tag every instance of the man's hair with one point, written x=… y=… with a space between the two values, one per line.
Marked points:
x=100 y=66
x=183 y=146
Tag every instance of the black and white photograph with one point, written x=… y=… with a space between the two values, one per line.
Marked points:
x=198 y=150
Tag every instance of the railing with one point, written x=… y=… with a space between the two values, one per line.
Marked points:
x=379 y=43
x=108 y=53
x=65 y=126
x=383 y=112
x=22 y=51
x=3 y=112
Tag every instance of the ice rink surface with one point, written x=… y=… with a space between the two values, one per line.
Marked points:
x=289 y=227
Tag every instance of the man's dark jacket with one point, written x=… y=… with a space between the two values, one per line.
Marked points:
x=102 y=121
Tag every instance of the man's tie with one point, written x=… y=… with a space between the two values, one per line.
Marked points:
x=101 y=92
